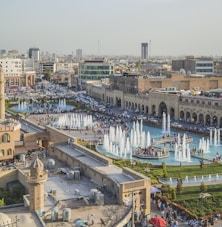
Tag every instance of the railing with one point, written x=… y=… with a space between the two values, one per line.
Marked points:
x=41 y=179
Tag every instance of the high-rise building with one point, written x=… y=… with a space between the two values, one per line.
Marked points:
x=79 y=54
x=2 y=52
x=34 y=53
x=96 y=69
x=144 y=51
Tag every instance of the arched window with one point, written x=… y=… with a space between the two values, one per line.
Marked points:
x=9 y=152
x=2 y=153
x=5 y=138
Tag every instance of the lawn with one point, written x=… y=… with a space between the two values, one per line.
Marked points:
x=190 y=196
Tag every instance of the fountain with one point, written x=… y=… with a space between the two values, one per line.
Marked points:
x=165 y=123
x=195 y=179
x=74 y=121
x=182 y=150
x=62 y=104
x=209 y=177
x=204 y=145
x=38 y=107
x=215 y=136
x=117 y=143
x=22 y=106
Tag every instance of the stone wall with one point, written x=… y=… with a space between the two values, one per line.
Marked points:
x=7 y=176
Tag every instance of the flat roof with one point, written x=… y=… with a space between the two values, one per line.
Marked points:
x=112 y=171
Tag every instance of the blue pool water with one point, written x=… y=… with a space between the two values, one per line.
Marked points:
x=157 y=133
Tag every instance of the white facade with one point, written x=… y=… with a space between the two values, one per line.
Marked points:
x=28 y=65
x=11 y=66
x=66 y=66
x=204 y=67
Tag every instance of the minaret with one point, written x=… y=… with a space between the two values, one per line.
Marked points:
x=2 y=94
x=36 y=181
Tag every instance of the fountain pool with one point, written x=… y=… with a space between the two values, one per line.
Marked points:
x=37 y=107
x=156 y=133
x=195 y=179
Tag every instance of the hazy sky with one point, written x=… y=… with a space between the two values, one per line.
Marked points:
x=114 y=27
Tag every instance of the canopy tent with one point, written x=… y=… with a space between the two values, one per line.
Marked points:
x=154 y=190
x=158 y=222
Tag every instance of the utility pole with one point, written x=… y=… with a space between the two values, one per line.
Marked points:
x=150 y=48
x=133 y=209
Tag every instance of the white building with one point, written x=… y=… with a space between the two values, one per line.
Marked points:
x=204 y=67
x=95 y=69
x=18 y=72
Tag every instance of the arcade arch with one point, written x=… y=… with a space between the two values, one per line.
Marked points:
x=172 y=113
x=147 y=110
x=153 y=109
x=201 y=118
x=214 y=121
x=188 y=117
x=143 y=108
x=162 y=108
x=220 y=125
x=208 y=120
x=118 y=101
x=194 y=117
x=182 y=116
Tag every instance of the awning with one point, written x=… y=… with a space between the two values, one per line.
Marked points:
x=31 y=145
x=154 y=190
x=20 y=150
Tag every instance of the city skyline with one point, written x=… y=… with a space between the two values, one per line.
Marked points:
x=115 y=27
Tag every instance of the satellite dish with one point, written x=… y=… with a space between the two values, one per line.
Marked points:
x=182 y=71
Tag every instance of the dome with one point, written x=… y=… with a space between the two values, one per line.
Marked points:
x=37 y=163
x=4 y=219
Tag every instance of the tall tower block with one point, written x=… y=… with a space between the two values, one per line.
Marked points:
x=2 y=94
x=36 y=181
x=144 y=51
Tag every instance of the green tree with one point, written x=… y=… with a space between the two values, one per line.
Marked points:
x=2 y=202
x=203 y=187
x=179 y=187
x=165 y=173
x=47 y=74
x=173 y=193
x=165 y=190
x=201 y=164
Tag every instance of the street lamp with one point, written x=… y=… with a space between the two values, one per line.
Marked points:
x=133 y=206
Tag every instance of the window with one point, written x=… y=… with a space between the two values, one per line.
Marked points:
x=2 y=153
x=5 y=138
x=9 y=152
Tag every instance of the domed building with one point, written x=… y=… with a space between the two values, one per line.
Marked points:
x=5 y=220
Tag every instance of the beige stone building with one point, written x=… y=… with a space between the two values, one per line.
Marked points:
x=181 y=106
x=9 y=128
x=36 y=179
x=134 y=84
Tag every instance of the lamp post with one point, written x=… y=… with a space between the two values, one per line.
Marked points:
x=133 y=206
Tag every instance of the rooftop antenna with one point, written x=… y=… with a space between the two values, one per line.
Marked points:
x=150 y=48
x=98 y=48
